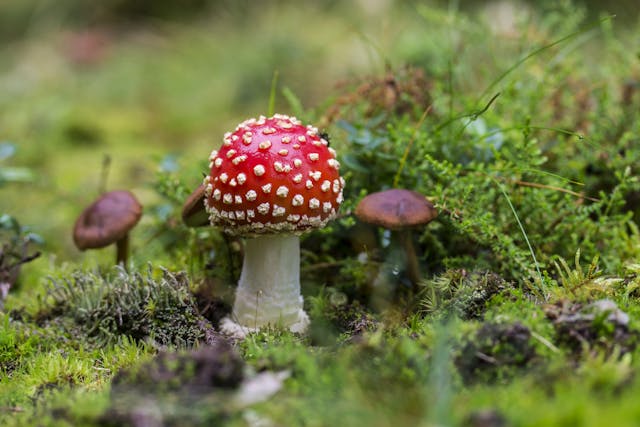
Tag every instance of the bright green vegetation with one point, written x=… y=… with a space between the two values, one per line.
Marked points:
x=525 y=136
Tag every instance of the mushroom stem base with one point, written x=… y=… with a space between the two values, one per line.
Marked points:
x=236 y=330
x=269 y=288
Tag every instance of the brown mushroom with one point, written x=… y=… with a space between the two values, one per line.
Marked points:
x=399 y=210
x=194 y=213
x=108 y=220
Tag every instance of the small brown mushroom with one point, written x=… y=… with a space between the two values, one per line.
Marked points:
x=398 y=210
x=194 y=213
x=108 y=220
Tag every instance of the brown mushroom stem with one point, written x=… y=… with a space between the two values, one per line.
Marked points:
x=412 y=265
x=122 y=250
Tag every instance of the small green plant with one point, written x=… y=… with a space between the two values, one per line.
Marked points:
x=578 y=282
x=606 y=372
x=15 y=250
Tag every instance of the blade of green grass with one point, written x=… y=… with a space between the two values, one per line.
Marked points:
x=294 y=103
x=272 y=93
x=405 y=155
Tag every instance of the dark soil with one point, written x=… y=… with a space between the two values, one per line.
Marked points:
x=176 y=389
x=196 y=371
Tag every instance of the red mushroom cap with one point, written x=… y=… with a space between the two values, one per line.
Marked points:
x=273 y=175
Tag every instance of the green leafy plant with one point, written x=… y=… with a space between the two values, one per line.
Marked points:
x=15 y=250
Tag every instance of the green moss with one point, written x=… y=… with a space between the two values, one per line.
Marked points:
x=495 y=353
x=16 y=344
x=103 y=308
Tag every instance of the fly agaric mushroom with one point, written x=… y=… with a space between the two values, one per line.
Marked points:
x=398 y=210
x=108 y=220
x=272 y=179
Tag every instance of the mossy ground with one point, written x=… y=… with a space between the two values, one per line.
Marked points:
x=525 y=133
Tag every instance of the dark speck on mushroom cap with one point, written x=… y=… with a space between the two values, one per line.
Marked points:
x=396 y=208
x=107 y=220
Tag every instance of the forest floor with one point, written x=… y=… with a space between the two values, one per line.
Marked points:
x=521 y=125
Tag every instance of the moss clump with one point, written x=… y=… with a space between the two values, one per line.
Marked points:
x=186 y=388
x=495 y=352
x=595 y=327
x=351 y=318
x=463 y=293
x=194 y=372
x=137 y=305
x=333 y=315
x=485 y=418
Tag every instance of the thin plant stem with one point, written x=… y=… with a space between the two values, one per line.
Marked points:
x=403 y=160
x=522 y=230
x=106 y=166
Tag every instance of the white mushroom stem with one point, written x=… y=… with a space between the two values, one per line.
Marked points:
x=268 y=292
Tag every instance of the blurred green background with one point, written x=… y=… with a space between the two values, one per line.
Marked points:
x=154 y=84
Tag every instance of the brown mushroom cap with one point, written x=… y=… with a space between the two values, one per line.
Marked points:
x=194 y=213
x=107 y=220
x=396 y=208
